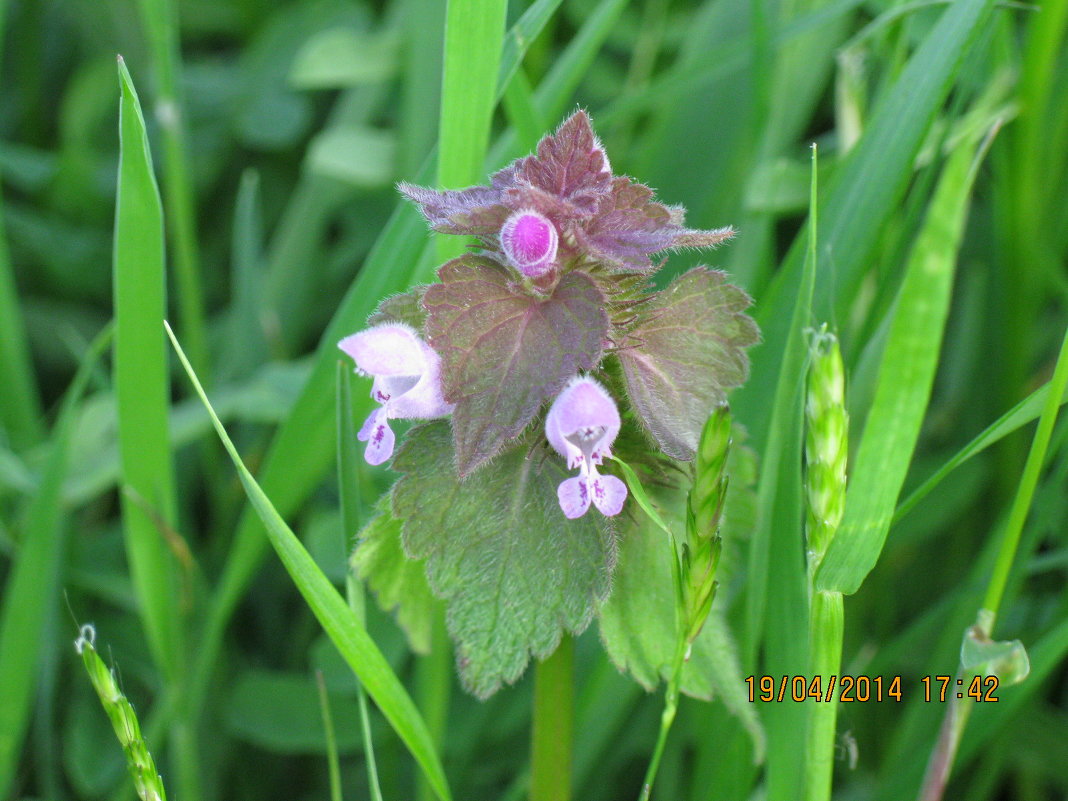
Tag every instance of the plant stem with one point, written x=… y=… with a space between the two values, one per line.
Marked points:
x=825 y=641
x=550 y=759
x=671 y=707
x=433 y=678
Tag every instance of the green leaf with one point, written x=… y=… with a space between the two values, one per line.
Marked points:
x=504 y=354
x=406 y=307
x=142 y=386
x=399 y=583
x=355 y=154
x=684 y=354
x=343 y=57
x=638 y=625
x=337 y=619
x=981 y=655
x=514 y=572
x=906 y=374
x=637 y=491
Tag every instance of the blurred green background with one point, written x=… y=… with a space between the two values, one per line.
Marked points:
x=278 y=130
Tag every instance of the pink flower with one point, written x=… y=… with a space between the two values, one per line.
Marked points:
x=581 y=426
x=529 y=241
x=407 y=382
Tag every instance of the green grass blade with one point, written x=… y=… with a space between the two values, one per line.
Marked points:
x=20 y=405
x=1025 y=491
x=866 y=191
x=906 y=375
x=332 y=763
x=557 y=89
x=245 y=346
x=522 y=114
x=474 y=36
x=160 y=18
x=643 y=500
x=776 y=599
x=421 y=92
x=32 y=585
x=1017 y=417
x=526 y=29
x=335 y=616
x=142 y=388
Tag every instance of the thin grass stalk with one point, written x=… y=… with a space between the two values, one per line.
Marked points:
x=553 y=725
x=333 y=768
x=959 y=709
x=433 y=693
x=160 y=19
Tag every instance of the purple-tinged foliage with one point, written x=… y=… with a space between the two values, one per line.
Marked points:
x=600 y=218
x=407 y=382
x=507 y=341
x=505 y=353
x=581 y=425
x=683 y=355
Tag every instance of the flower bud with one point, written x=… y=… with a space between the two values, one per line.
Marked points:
x=529 y=242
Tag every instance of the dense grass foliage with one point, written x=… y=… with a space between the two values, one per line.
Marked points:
x=253 y=204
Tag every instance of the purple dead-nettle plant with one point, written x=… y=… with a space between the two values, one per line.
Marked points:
x=546 y=338
x=407 y=382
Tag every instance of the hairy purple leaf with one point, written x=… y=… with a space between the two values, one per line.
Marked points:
x=475 y=211
x=514 y=573
x=503 y=352
x=684 y=354
x=569 y=164
x=629 y=226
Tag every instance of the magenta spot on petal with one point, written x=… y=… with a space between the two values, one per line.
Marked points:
x=609 y=493
x=574 y=496
x=380 y=443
